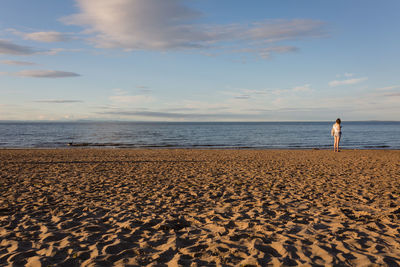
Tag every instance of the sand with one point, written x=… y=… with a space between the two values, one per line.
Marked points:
x=102 y=207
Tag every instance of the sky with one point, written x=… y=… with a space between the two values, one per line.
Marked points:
x=199 y=60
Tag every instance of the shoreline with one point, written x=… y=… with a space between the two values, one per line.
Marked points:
x=194 y=148
x=208 y=207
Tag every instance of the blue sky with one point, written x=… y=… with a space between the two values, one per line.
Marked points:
x=199 y=60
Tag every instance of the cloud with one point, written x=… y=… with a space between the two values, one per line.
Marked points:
x=395 y=94
x=18 y=63
x=242 y=97
x=170 y=25
x=258 y=92
x=55 y=51
x=280 y=29
x=121 y=97
x=388 y=88
x=347 y=82
x=137 y=24
x=266 y=52
x=302 y=88
x=46 y=74
x=47 y=37
x=178 y=116
x=58 y=101
x=131 y=99
x=248 y=114
x=144 y=89
x=9 y=48
x=145 y=114
x=347 y=74
x=268 y=92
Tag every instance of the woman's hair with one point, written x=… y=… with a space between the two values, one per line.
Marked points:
x=338 y=121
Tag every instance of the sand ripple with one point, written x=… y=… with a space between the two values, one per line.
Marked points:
x=83 y=207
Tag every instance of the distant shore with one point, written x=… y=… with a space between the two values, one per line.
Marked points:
x=84 y=206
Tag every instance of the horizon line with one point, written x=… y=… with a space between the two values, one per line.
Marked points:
x=114 y=120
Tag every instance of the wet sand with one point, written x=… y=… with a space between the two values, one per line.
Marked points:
x=95 y=207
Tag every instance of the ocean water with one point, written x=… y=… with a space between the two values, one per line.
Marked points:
x=255 y=135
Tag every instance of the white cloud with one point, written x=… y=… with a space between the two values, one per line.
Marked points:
x=302 y=88
x=122 y=97
x=131 y=99
x=242 y=97
x=388 y=88
x=347 y=82
x=280 y=29
x=347 y=74
x=55 y=51
x=280 y=91
x=257 y=92
x=173 y=116
x=119 y=91
x=58 y=101
x=18 y=63
x=47 y=37
x=266 y=52
x=137 y=24
x=46 y=74
x=203 y=105
x=169 y=25
x=9 y=48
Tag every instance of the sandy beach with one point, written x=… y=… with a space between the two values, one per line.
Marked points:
x=102 y=207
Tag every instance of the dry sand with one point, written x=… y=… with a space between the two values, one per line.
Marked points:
x=96 y=207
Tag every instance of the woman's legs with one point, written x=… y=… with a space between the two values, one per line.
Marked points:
x=336 y=144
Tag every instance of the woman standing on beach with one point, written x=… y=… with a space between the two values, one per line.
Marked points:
x=336 y=132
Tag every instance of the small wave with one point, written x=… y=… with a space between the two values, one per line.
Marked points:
x=97 y=144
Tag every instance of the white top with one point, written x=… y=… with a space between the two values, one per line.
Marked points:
x=336 y=129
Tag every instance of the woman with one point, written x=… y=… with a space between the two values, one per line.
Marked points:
x=336 y=132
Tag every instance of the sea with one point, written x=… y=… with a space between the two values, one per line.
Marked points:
x=201 y=135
